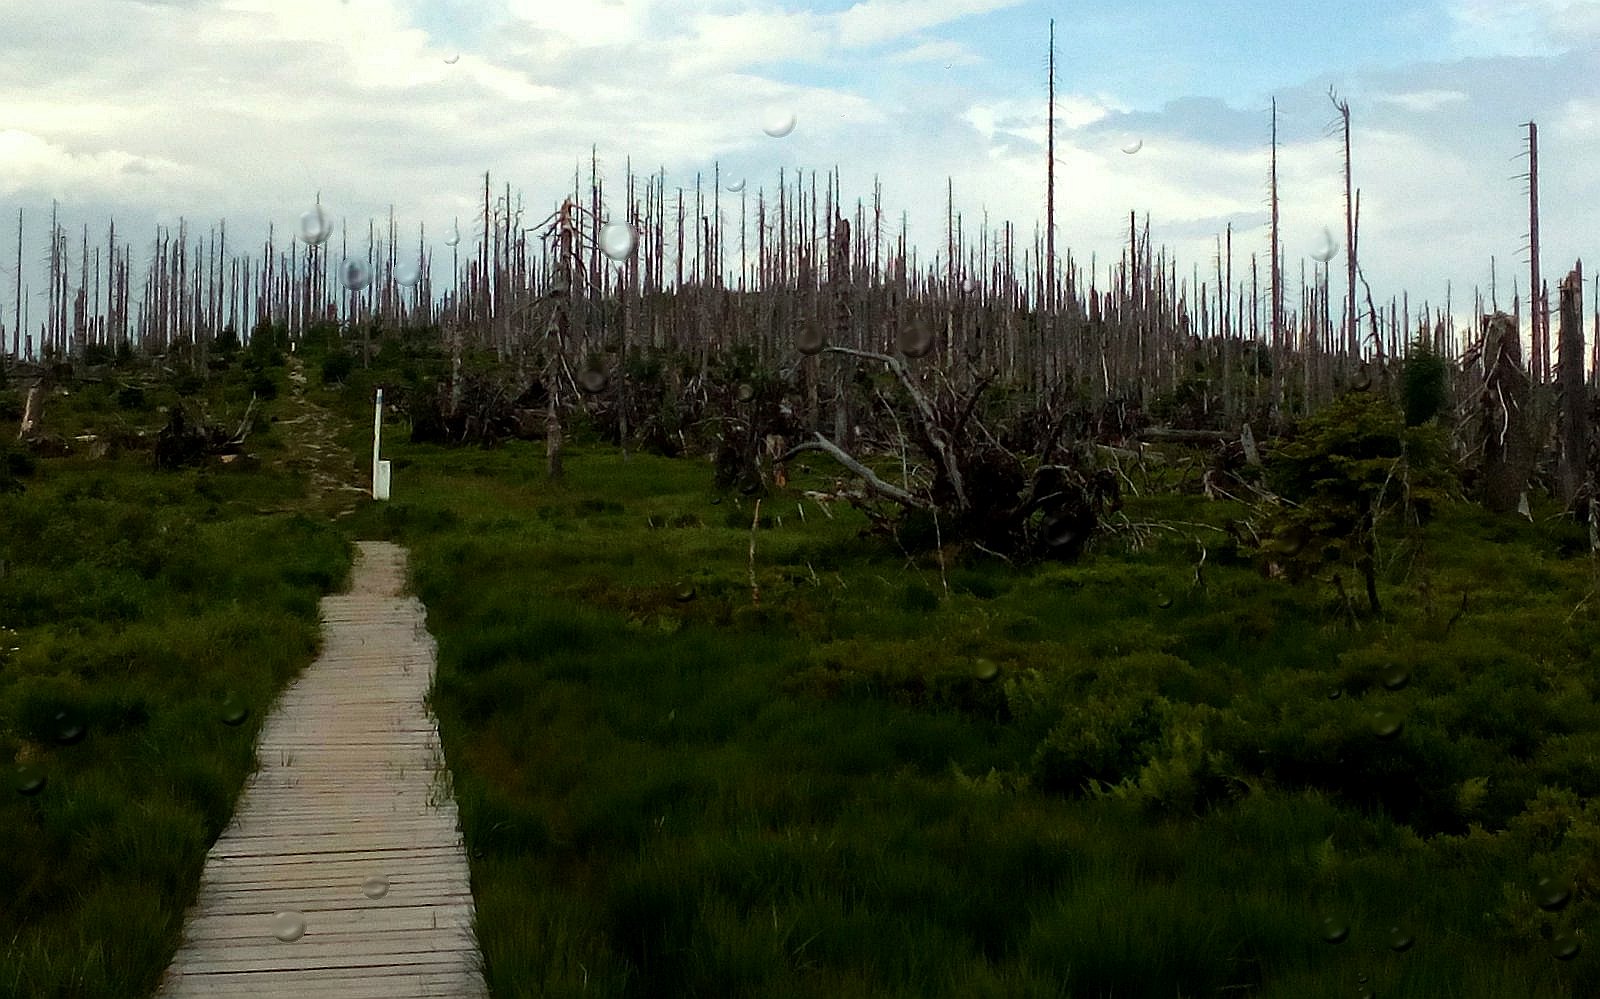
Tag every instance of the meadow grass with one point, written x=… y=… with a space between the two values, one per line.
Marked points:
x=669 y=787
x=145 y=612
x=884 y=777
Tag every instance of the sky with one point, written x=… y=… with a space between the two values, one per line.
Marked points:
x=153 y=110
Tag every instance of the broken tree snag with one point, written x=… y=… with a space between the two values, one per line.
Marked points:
x=1506 y=421
x=1573 y=468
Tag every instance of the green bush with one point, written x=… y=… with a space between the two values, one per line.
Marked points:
x=336 y=367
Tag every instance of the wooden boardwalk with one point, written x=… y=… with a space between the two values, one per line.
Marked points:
x=346 y=828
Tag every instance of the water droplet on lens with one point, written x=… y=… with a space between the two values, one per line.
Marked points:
x=1335 y=931
x=778 y=122
x=451 y=60
x=234 y=711
x=1060 y=531
x=314 y=227
x=1326 y=247
x=1132 y=145
x=1334 y=695
x=969 y=285
x=617 y=241
x=716 y=501
x=354 y=274
x=406 y=273
x=685 y=594
x=1565 y=946
x=455 y=235
x=914 y=340
x=1396 y=678
x=1552 y=894
x=288 y=926
x=736 y=186
x=593 y=381
x=69 y=730
x=1163 y=601
x=985 y=670
x=1399 y=940
x=746 y=392
x=808 y=339
x=29 y=780
x=376 y=886
x=750 y=487
x=1386 y=724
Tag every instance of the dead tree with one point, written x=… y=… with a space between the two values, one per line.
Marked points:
x=1573 y=469
x=978 y=490
x=1505 y=416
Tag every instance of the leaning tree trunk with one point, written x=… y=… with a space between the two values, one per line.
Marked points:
x=1506 y=417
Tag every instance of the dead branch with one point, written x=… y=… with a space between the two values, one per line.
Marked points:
x=877 y=485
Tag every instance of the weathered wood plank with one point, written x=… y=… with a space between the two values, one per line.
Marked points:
x=346 y=790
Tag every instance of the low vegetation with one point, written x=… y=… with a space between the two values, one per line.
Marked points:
x=739 y=741
x=147 y=620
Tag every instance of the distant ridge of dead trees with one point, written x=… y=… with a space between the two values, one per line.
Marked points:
x=781 y=270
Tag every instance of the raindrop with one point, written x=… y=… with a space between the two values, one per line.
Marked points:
x=314 y=227
x=593 y=381
x=1132 y=144
x=455 y=235
x=354 y=274
x=29 y=780
x=1326 y=247
x=1552 y=894
x=69 y=730
x=778 y=122
x=617 y=241
x=1335 y=931
x=808 y=339
x=288 y=926
x=985 y=670
x=234 y=711
x=376 y=886
x=685 y=593
x=452 y=59
x=1061 y=531
x=1565 y=946
x=1396 y=678
x=736 y=186
x=969 y=285
x=746 y=392
x=914 y=340
x=407 y=273
x=1386 y=724
x=1399 y=940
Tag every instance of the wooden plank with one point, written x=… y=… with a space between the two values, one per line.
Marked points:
x=346 y=788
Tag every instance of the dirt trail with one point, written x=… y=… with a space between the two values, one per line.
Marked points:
x=336 y=484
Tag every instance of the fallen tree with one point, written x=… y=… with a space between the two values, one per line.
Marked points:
x=973 y=487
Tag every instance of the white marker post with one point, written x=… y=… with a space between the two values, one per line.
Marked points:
x=380 y=469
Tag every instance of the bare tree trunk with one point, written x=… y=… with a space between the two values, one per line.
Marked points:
x=1574 y=470
x=1506 y=420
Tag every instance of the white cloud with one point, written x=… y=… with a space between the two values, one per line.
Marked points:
x=948 y=53
x=26 y=160
x=1423 y=101
x=874 y=22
